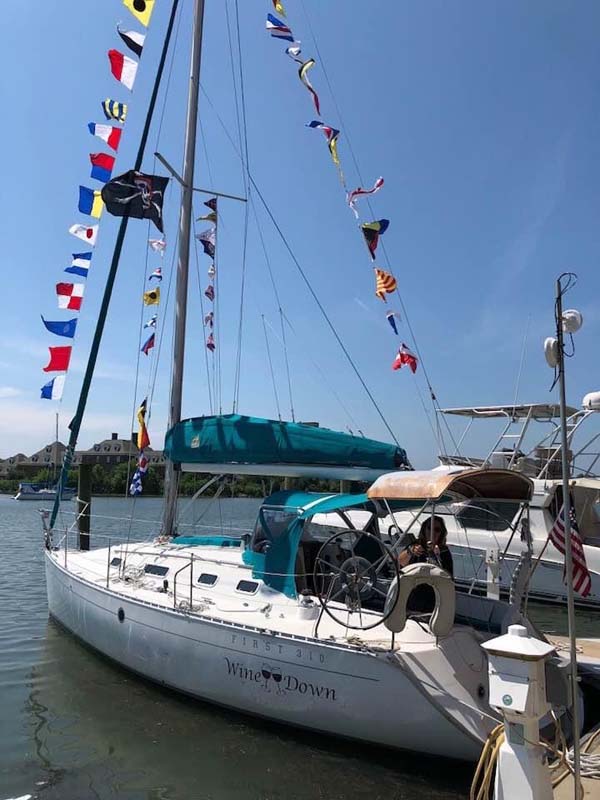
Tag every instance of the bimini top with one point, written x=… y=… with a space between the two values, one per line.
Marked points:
x=538 y=411
x=231 y=443
x=496 y=484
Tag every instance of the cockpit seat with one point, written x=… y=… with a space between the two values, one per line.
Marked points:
x=442 y=618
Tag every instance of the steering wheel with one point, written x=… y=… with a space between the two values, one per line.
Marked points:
x=354 y=579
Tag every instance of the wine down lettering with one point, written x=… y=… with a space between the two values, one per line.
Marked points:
x=272 y=679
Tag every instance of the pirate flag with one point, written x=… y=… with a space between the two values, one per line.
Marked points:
x=135 y=194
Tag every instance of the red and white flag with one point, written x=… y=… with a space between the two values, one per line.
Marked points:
x=123 y=68
x=405 y=356
x=352 y=196
x=582 y=582
x=87 y=233
x=70 y=295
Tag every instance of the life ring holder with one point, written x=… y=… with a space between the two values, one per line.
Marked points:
x=410 y=577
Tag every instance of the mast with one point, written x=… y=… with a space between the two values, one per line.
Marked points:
x=181 y=292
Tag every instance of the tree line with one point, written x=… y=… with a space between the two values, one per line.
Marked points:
x=115 y=481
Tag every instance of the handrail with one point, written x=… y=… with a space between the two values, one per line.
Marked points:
x=185 y=566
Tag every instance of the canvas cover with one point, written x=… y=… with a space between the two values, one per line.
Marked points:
x=233 y=438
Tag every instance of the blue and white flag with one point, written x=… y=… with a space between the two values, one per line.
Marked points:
x=135 y=487
x=278 y=29
x=151 y=322
x=157 y=273
x=53 y=389
x=61 y=327
x=80 y=264
x=391 y=317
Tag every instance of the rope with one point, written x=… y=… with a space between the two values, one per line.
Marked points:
x=481 y=787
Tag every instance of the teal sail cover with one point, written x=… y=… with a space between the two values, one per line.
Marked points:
x=232 y=438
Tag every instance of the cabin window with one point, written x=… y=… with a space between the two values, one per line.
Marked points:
x=487 y=515
x=115 y=562
x=250 y=587
x=206 y=579
x=155 y=569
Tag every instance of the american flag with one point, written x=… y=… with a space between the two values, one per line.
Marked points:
x=582 y=582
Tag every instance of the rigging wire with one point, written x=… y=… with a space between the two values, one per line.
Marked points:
x=522 y=361
x=306 y=279
x=279 y=307
x=323 y=312
x=271 y=368
x=246 y=166
x=438 y=436
x=321 y=372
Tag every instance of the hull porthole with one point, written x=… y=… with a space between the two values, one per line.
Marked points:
x=121 y=615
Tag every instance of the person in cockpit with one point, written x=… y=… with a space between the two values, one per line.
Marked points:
x=429 y=548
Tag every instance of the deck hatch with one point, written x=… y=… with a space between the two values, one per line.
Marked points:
x=207 y=579
x=249 y=587
x=156 y=569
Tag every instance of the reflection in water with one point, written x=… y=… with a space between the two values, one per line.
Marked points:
x=116 y=736
x=39 y=714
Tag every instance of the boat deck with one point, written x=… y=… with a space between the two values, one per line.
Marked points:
x=264 y=609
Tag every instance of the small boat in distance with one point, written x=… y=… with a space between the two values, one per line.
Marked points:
x=46 y=490
x=42 y=491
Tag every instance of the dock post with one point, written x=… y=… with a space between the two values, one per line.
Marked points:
x=84 y=505
x=518 y=691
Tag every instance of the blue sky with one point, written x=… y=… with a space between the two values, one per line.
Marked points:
x=484 y=120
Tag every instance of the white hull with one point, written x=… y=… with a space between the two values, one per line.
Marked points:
x=547 y=584
x=326 y=687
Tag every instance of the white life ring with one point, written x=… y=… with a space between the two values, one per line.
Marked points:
x=442 y=618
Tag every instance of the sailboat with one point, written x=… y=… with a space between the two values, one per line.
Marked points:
x=298 y=623
x=47 y=490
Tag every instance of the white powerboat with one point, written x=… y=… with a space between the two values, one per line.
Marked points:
x=478 y=533
x=42 y=492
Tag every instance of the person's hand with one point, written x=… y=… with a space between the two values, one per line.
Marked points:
x=417 y=550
